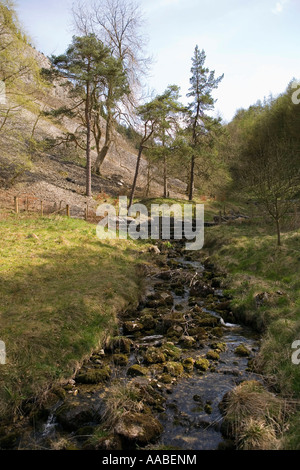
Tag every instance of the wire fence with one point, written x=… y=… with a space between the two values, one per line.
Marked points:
x=27 y=203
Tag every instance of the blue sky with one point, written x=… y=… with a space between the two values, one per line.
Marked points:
x=255 y=43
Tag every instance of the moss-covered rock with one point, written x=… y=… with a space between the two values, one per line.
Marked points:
x=165 y=378
x=60 y=392
x=119 y=344
x=120 y=359
x=199 y=333
x=148 y=322
x=198 y=399
x=208 y=408
x=156 y=303
x=140 y=429
x=151 y=397
x=179 y=307
x=154 y=356
x=173 y=318
x=137 y=371
x=188 y=364
x=74 y=415
x=218 y=331
x=171 y=351
x=179 y=291
x=208 y=320
x=213 y=355
x=151 y=312
x=165 y=275
x=175 y=331
x=93 y=376
x=187 y=342
x=192 y=301
x=168 y=298
x=202 y=364
x=175 y=369
x=242 y=351
x=219 y=347
x=130 y=327
x=201 y=289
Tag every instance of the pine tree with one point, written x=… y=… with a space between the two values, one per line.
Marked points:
x=203 y=82
x=92 y=71
x=155 y=118
x=167 y=127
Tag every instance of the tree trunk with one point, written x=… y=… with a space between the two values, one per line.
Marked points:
x=277 y=220
x=103 y=152
x=148 y=179
x=88 y=143
x=165 y=178
x=191 y=184
x=278 y=232
x=100 y=159
x=135 y=176
x=108 y=137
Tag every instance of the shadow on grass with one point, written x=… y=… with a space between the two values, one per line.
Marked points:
x=55 y=313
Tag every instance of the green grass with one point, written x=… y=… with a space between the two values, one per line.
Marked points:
x=160 y=200
x=60 y=292
x=256 y=265
x=211 y=208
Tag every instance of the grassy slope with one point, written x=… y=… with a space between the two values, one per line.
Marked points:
x=60 y=291
x=211 y=208
x=255 y=265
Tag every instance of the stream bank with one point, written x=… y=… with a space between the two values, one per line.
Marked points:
x=160 y=381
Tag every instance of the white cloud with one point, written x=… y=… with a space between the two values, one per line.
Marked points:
x=279 y=7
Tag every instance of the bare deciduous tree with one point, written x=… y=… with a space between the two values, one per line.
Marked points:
x=271 y=173
x=119 y=25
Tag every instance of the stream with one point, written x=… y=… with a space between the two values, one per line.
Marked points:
x=183 y=342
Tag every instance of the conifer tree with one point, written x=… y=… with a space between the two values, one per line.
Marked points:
x=203 y=82
x=92 y=71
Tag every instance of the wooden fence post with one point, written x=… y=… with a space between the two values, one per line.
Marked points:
x=42 y=208
x=16 y=204
x=68 y=210
x=27 y=203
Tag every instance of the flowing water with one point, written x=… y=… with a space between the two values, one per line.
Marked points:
x=191 y=418
x=188 y=423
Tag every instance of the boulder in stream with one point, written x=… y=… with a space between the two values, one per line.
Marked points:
x=154 y=356
x=138 y=428
x=77 y=413
x=93 y=376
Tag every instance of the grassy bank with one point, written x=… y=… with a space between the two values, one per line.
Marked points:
x=60 y=291
x=263 y=280
x=211 y=208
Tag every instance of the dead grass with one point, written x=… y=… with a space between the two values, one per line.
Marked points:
x=256 y=434
x=256 y=416
x=121 y=400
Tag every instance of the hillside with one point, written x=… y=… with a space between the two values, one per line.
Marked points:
x=28 y=166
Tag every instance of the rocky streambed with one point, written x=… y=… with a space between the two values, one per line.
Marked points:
x=159 y=382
